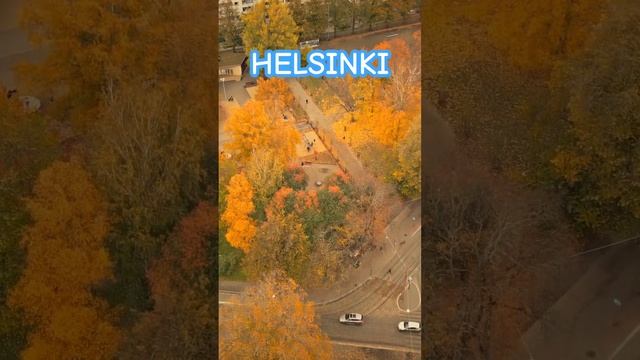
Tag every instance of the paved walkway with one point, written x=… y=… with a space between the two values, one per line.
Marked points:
x=347 y=159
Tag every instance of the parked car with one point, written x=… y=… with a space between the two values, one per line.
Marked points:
x=250 y=84
x=351 y=318
x=411 y=326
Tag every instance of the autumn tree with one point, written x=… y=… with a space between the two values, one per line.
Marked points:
x=117 y=42
x=600 y=161
x=274 y=321
x=310 y=249
x=230 y=24
x=65 y=260
x=485 y=241
x=408 y=174
x=404 y=86
x=312 y=17
x=535 y=34
x=265 y=173
x=237 y=214
x=147 y=155
x=182 y=322
x=251 y=128
x=269 y=27
x=280 y=244
x=275 y=94
x=27 y=146
x=148 y=158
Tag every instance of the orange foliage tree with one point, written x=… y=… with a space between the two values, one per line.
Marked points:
x=274 y=321
x=94 y=45
x=251 y=128
x=373 y=120
x=405 y=67
x=237 y=215
x=276 y=95
x=66 y=258
x=183 y=317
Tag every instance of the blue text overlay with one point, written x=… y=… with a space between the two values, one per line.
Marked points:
x=327 y=63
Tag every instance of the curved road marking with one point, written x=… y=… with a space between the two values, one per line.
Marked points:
x=375 y=346
x=623 y=343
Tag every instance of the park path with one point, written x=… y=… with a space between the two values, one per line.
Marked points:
x=347 y=160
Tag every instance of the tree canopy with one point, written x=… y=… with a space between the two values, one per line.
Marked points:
x=65 y=260
x=261 y=326
x=269 y=27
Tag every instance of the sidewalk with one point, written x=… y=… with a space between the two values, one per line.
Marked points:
x=374 y=262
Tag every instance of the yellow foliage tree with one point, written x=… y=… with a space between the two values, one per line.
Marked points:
x=269 y=27
x=275 y=322
x=373 y=120
x=251 y=128
x=275 y=94
x=535 y=34
x=65 y=259
x=241 y=228
x=93 y=45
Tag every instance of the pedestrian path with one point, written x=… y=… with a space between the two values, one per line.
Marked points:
x=347 y=159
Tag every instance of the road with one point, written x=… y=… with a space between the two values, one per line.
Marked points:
x=369 y=40
x=598 y=318
x=378 y=288
x=376 y=297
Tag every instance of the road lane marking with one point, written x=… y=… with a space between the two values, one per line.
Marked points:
x=375 y=346
x=623 y=343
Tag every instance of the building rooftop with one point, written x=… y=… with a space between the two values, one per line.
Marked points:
x=230 y=58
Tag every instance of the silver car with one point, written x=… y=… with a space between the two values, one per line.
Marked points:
x=351 y=318
x=412 y=326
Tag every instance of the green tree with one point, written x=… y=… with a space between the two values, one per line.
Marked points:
x=341 y=16
x=230 y=24
x=269 y=27
x=312 y=17
x=66 y=260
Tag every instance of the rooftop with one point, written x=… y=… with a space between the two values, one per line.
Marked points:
x=230 y=58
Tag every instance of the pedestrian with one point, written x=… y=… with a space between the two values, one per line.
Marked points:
x=306 y=101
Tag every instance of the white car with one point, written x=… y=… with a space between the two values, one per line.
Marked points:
x=351 y=318
x=413 y=326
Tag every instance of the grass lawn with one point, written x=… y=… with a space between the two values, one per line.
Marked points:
x=229 y=261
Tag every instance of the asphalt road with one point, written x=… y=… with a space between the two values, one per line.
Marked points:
x=376 y=298
x=598 y=318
